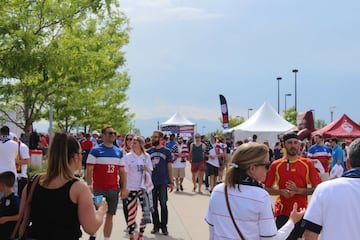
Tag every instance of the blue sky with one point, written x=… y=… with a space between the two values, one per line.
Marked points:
x=183 y=54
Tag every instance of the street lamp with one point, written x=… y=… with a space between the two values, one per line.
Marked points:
x=295 y=71
x=332 y=113
x=287 y=95
x=249 y=109
x=278 y=79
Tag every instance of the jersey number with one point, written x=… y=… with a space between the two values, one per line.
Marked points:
x=111 y=169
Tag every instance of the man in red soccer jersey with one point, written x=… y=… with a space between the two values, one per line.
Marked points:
x=291 y=174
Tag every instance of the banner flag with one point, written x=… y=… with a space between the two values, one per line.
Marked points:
x=224 y=112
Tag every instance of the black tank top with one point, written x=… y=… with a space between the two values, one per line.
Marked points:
x=53 y=215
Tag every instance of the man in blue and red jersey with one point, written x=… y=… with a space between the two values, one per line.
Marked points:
x=105 y=164
x=291 y=174
x=320 y=153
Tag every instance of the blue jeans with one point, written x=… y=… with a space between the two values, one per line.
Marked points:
x=160 y=194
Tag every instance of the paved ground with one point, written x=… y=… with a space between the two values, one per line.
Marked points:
x=186 y=216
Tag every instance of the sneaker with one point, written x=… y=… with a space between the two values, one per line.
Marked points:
x=164 y=231
x=92 y=238
x=177 y=189
x=181 y=188
x=140 y=237
x=155 y=230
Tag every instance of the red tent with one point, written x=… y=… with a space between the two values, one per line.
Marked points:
x=343 y=127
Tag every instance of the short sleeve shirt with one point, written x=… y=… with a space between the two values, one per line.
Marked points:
x=300 y=171
x=106 y=161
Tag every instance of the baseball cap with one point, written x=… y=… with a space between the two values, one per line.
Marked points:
x=12 y=136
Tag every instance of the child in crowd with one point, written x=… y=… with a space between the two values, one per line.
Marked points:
x=9 y=205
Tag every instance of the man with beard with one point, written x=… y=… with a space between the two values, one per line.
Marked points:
x=291 y=174
x=162 y=177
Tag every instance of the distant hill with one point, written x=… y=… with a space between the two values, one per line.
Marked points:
x=146 y=126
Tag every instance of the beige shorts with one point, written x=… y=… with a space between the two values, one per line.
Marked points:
x=178 y=172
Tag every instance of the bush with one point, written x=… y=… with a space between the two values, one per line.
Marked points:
x=35 y=169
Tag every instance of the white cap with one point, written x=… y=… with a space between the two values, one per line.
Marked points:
x=95 y=132
x=12 y=136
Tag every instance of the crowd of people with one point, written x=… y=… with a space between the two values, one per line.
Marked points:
x=240 y=178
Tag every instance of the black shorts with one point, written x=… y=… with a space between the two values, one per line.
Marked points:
x=212 y=170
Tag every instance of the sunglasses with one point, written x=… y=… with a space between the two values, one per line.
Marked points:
x=266 y=165
x=111 y=133
x=129 y=139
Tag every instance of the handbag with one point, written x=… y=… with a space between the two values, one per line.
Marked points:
x=24 y=215
x=230 y=212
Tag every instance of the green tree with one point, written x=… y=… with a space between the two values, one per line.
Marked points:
x=233 y=121
x=320 y=123
x=67 y=51
x=290 y=115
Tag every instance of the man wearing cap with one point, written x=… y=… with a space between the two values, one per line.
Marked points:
x=320 y=153
x=94 y=137
x=291 y=174
x=196 y=157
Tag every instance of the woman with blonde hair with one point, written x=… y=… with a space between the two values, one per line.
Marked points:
x=61 y=203
x=240 y=208
x=137 y=162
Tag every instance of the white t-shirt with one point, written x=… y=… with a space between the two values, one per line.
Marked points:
x=134 y=167
x=214 y=162
x=251 y=208
x=179 y=161
x=8 y=151
x=335 y=206
x=336 y=171
x=24 y=154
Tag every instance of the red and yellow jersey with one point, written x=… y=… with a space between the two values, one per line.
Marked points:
x=301 y=171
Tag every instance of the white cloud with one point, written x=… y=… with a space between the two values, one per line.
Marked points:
x=146 y=11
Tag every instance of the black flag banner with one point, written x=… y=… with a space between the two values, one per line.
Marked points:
x=224 y=111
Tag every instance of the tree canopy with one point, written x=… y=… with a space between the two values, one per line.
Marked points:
x=67 y=53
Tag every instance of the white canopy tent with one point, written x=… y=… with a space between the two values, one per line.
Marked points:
x=178 y=124
x=266 y=123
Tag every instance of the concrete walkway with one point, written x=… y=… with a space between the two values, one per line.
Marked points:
x=186 y=216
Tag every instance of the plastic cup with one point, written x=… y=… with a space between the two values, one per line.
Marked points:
x=98 y=199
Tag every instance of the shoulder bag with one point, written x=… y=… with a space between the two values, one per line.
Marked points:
x=230 y=212
x=24 y=215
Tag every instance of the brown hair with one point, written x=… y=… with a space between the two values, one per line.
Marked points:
x=7 y=178
x=141 y=144
x=161 y=134
x=245 y=155
x=62 y=149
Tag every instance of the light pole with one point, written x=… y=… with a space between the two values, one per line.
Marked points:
x=332 y=113
x=249 y=109
x=278 y=79
x=295 y=71
x=287 y=95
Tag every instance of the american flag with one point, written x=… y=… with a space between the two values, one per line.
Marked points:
x=186 y=129
x=172 y=129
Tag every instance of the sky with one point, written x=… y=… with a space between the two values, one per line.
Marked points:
x=184 y=53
